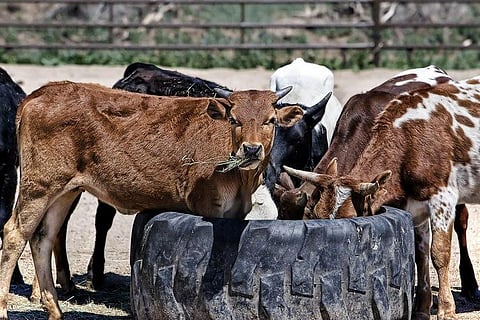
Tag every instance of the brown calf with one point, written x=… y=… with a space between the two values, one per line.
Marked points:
x=134 y=152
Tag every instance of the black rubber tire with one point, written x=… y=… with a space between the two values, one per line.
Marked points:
x=189 y=267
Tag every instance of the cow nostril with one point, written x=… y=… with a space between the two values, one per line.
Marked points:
x=252 y=150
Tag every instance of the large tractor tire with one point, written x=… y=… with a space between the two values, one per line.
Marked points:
x=189 y=267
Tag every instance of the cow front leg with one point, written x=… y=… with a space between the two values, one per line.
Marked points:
x=96 y=265
x=441 y=250
x=423 y=293
x=442 y=210
x=467 y=274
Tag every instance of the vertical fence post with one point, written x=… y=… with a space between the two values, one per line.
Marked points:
x=110 y=19
x=242 y=20
x=376 y=35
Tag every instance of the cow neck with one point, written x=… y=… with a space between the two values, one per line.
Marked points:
x=380 y=155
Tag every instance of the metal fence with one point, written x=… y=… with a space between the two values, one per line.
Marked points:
x=142 y=25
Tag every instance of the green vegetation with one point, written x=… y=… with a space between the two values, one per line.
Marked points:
x=336 y=59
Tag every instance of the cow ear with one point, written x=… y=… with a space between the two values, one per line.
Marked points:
x=288 y=116
x=369 y=188
x=383 y=177
x=365 y=188
x=216 y=110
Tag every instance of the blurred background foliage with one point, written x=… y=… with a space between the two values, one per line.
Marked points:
x=25 y=14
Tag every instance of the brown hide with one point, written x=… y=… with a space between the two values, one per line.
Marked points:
x=139 y=151
x=134 y=152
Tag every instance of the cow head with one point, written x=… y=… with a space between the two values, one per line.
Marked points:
x=291 y=200
x=341 y=197
x=293 y=146
x=253 y=116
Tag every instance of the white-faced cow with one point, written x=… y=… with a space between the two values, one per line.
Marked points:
x=197 y=155
x=10 y=97
x=423 y=156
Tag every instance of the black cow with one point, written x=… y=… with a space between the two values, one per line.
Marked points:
x=150 y=79
x=299 y=146
x=10 y=97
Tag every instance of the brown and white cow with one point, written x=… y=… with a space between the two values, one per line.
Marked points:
x=353 y=133
x=198 y=155
x=353 y=129
x=428 y=140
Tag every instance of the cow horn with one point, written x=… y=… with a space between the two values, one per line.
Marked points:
x=283 y=92
x=315 y=113
x=316 y=178
x=367 y=188
x=222 y=93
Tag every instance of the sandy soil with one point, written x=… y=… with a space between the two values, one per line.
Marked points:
x=96 y=305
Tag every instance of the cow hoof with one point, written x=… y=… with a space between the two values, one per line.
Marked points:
x=67 y=285
x=69 y=288
x=95 y=273
x=95 y=283
x=272 y=269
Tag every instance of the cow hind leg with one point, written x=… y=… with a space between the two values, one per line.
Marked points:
x=467 y=274
x=423 y=293
x=13 y=246
x=64 y=278
x=17 y=231
x=96 y=266
x=42 y=244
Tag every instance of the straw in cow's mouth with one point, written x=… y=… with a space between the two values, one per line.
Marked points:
x=222 y=166
x=231 y=163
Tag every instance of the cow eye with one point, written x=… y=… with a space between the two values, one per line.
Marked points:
x=233 y=121
x=270 y=121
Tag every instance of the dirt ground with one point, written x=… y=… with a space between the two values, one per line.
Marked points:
x=113 y=302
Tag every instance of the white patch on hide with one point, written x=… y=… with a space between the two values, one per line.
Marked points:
x=341 y=194
x=427 y=75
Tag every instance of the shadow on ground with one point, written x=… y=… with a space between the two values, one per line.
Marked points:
x=463 y=305
x=115 y=295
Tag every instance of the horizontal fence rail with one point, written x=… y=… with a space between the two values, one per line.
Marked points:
x=177 y=25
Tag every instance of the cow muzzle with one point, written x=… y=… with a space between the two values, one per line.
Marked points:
x=251 y=154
